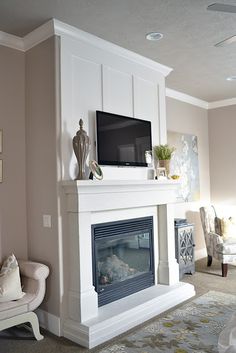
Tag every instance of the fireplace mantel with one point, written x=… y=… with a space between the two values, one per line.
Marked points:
x=91 y=202
x=94 y=195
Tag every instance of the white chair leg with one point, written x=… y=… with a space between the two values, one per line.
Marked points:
x=21 y=319
x=35 y=326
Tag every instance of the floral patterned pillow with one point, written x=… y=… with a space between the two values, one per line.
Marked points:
x=9 y=264
x=10 y=282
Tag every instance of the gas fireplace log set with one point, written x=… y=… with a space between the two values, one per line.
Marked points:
x=122 y=258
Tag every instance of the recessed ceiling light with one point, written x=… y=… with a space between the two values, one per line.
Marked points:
x=154 y=36
x=231 y=78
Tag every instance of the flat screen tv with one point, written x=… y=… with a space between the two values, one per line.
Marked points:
x=121 y=140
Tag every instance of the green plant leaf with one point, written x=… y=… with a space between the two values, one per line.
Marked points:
x=163 y=152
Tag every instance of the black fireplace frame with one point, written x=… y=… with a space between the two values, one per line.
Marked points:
x=129 y=286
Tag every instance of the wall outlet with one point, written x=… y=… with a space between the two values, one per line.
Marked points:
x=47 y=220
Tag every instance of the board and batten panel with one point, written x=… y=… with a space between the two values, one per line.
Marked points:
x=146 y=104
x=118 y=98
x=95 y=79
x=85 y=97
x=117 y=92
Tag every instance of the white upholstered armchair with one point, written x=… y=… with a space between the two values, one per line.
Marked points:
x=217 y=246
x=15 y=312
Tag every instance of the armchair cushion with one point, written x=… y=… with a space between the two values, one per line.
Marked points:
x=15 y=307
x=221 y=245
x=228 y=247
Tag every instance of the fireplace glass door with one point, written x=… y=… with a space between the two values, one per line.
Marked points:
x=122 y=258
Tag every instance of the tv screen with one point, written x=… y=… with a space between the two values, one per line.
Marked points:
x=122 y=140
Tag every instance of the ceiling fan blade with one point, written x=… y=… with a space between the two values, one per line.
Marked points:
x=226 y=41
x=222 y=7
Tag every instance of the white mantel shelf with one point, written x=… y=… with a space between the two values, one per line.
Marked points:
x=84 y=184
x=95 y=195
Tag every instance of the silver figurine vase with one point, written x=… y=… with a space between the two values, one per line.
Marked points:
x=81 y=143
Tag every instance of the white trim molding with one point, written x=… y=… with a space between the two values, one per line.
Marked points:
x=55 y=27
x=61 y=28
x=49 y=322
x=30 y=40
x=39 y=35
x=11 y=41
x=199 y=102
x=186 y=98
x=222 y=103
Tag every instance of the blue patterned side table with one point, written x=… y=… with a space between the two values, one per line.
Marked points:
x=184 y=248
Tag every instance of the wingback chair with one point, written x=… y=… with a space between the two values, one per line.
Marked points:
x=217 y=247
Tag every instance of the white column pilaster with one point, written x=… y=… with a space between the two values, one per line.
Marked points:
x=83 y=303
x=168 y=271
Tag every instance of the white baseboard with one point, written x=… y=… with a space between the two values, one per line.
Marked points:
x=200 y=254
x=49 y=321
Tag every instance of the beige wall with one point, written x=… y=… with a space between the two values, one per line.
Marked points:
x=222 y=139
x=39 y=170
x=189 y=119
x=13 y=236
x=41 y=140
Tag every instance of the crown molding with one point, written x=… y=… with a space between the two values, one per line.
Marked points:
x=39 y=34
x=186 y=98
x=11 y=41
x=199 y=102
x=222 y=103
x=61 y=28
x=56 y=27
x=30 y=40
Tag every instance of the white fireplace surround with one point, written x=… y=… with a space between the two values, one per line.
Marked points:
x=91 y=202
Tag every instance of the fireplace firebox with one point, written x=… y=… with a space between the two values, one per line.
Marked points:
x=122 y=258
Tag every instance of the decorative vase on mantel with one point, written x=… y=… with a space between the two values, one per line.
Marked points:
x=81 y=143
x=165 y=163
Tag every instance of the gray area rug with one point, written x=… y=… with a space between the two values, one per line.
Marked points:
x=194 y=327
x=170 y=332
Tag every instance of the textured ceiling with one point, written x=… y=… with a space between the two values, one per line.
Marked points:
x=190 y=32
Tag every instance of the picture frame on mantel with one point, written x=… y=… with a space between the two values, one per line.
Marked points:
x=161 y=173
x=96 y=170
x=1 y=141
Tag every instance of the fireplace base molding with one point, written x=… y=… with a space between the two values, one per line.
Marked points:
x=93 y=202
x=118 y=317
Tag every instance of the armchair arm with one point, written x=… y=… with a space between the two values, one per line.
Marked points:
x=33 y=270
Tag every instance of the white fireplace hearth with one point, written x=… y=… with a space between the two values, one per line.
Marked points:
x=92 y=202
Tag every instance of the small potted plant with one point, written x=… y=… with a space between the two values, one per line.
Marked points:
x=162 y=154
